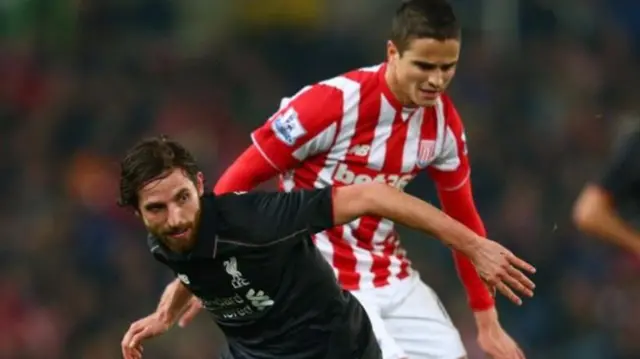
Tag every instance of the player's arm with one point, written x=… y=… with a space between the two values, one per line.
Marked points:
x=303 y=127
x=269 y=216
x=451 y=173
x=173 y=301
x=264 y=218
x=595 y=210
x=380 y=200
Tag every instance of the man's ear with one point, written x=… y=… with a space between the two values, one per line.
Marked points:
x=200 y=183
x=392 y=51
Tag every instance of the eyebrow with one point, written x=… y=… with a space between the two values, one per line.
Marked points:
x=154 y=205
x=430 y=64
x=180 y=193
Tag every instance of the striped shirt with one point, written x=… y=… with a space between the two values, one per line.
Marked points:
x=351 y=129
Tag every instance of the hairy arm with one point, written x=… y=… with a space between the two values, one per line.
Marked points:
x=351 y=202
x=498 y=266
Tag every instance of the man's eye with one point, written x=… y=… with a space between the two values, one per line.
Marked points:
x=425 y=67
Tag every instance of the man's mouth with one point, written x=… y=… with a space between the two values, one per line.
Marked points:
x=180 y=234
x=428 y=93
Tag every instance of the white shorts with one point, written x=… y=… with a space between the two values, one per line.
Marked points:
x=410 y=322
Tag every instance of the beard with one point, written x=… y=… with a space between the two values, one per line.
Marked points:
x=172 y=238
x=180 y=238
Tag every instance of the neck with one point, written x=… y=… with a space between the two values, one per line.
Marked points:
x=392 y=83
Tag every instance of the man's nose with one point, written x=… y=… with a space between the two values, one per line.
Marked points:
x=436 y=79
x=175 y=216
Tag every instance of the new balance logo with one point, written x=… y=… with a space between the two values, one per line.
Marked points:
x=359 y=150
x=346 y=176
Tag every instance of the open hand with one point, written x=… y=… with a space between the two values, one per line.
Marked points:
x=493 y=339
x=501 y=270
x=497 y=344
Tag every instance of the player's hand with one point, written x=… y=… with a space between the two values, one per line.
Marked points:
x=193 y=308
x=144 y=328
x=502 y=270
x=492 y=338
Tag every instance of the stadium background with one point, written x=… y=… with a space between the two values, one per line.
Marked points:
x=543 y=86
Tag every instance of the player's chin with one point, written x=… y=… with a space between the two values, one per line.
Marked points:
x=424 y=102
x=425 y=99
x=183 y=240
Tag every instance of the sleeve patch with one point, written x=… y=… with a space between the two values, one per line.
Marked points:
x=287 y=127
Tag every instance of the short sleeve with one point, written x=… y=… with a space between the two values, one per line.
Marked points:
x=304 y=126
x=451 y=168
x=623 y=172
x=260 y=218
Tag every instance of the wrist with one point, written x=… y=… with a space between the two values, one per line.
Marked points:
x=467 y=242
x=166 y=317
x=486 y=318
x=473 y=245
x=482 y=302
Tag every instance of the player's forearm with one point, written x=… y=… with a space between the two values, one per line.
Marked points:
x=594 y=214
x=479 y=296
x=380 y=200
x=460 y=205
x=173 y=301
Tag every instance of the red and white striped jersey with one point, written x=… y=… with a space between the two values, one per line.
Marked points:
x=351 y=129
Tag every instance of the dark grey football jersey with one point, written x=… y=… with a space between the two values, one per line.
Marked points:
x=258 y=273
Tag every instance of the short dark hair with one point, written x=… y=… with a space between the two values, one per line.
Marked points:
x=152 y=159
x=417 y=19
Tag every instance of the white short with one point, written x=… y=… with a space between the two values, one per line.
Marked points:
x=410 y=322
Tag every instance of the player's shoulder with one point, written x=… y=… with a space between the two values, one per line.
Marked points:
x=339 y=93
x=348 y=82
x=365 y=75
x=152 y=243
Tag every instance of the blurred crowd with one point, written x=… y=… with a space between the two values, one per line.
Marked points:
x=544 y=88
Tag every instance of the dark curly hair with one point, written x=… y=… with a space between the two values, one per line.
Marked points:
x=152 y=159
